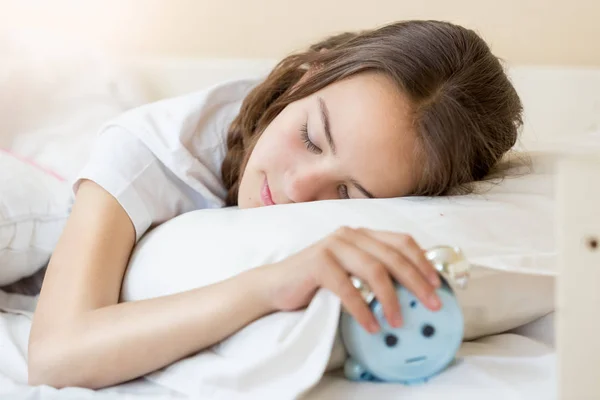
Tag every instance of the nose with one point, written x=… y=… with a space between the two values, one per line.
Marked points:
x=308 y=184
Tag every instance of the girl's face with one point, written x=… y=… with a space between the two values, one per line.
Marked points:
x=352 y=139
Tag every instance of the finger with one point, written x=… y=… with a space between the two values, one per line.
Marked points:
x=402 y=267
x=335 y=278
x=372 y=270
x=412 y=251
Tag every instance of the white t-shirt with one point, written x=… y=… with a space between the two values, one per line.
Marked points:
x=164 y=158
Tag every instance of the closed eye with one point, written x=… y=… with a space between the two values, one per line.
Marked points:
x=313 y=148
x=307 y=142
x=343 y=192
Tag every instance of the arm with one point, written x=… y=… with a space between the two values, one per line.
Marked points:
x=81 y=337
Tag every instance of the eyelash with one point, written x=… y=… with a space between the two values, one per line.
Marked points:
x=343 y=189
x=309 y=144
x=344 y=192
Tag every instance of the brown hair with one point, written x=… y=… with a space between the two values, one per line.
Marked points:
x=466 y=111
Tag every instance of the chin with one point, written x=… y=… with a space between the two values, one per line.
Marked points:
x=247 y=203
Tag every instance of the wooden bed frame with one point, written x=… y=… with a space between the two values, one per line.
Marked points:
x=577 y=289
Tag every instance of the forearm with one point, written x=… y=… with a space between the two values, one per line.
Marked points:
x=120 y=342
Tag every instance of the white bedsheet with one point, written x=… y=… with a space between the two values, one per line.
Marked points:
x=518 y=365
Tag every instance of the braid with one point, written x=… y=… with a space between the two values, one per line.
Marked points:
x=231 y=173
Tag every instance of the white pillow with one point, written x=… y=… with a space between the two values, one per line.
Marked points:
x=34 y=205
x=507 y=232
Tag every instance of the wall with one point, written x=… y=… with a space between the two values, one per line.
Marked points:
x=548 y=32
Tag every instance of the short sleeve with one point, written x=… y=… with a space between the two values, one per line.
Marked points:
x=148 y=192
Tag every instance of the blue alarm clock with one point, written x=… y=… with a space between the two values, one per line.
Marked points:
x=427 y=341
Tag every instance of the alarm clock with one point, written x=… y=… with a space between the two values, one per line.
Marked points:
x=427 y=341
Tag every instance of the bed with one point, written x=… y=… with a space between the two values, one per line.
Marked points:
x=527 y=362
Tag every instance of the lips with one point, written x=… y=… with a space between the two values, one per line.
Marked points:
x=265 y=194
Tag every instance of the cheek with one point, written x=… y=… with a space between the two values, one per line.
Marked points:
x=280 y=143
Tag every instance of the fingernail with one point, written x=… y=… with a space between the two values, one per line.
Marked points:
x=373 y=327
x=434 y=300
x=397 y=320
x=434 y=279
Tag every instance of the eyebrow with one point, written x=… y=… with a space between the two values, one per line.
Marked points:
x=327 y=129
x=326 y=125
x=362 y=189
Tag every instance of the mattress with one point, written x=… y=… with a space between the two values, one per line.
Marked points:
x=512 y=365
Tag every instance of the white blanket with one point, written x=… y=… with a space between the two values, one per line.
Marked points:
x=278 y=356
x=507 y=366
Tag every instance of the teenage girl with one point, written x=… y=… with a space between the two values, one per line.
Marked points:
x=412 y=108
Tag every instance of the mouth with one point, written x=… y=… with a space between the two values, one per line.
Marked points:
x=415 y=359
x=265 y=194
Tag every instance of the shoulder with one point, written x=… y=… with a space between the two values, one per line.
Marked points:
x=187 y=134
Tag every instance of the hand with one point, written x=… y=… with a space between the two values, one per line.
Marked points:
x=377 y=257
